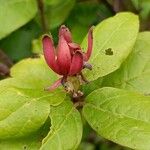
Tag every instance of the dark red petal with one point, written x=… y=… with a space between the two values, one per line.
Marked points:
x=64 y=31
x=64 y=56
x=74 y=46
x=49 y=53
x=90 y=44
x=76 y=64
x=55 y=85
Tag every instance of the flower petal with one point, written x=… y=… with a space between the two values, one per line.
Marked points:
x=63 y=56
x=49 y=53
x=74 y=46
x=90 y=44
x=55 y=85
x=76 y=64
x=64 y=31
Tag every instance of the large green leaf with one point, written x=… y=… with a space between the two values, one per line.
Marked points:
x=24 y=105
x=20 y=114
x=66 y=130
x=29 y=143
x=120 y=116
x=30 y=75
x=14 y=14
x=32 y=142
x=134 y=73
x=113 y=41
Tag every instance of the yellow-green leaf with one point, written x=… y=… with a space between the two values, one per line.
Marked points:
x=120 y=116
x=117 y=35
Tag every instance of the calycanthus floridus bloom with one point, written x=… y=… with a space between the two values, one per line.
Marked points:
x=67 y=59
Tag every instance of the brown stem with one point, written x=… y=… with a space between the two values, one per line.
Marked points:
x=118 y=5
x=5 y=59
x=5 y=64
x=4 y=70
x=121 y=5
x=42 y=15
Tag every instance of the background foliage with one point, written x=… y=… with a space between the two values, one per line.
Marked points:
x=22 y=23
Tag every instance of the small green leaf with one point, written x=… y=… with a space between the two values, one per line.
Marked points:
x=37 y=46
x=120 y=116
x=134 y=73
x=117 y=33
x=66 y=130
x=14 y=14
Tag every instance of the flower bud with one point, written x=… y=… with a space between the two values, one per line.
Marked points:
x=69 y=60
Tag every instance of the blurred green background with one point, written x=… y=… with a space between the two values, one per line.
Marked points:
x=23 y=22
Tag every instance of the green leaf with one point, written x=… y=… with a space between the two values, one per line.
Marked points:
x=31 y=142
x=136 y=3
x=14 y=14
x=86 y=146
x=53 y=2
x=30 y=75
x=37 y=46
x=66 y=130
x=117 y=34
x=18 y=44
x=120 y=116
x=78 y=20
x=135 y=71
x=22 y=116
x=24 y=104
x=36 y=73
x=91 y=86
x=53 y=9
x=143 y=8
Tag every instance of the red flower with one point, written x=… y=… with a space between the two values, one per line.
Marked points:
x=67 y=59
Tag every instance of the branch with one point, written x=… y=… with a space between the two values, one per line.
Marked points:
x=42 y=15
x=5 y=59
x=118 y=5
x=5 y=64
x=4 y=70
x=109 y=6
